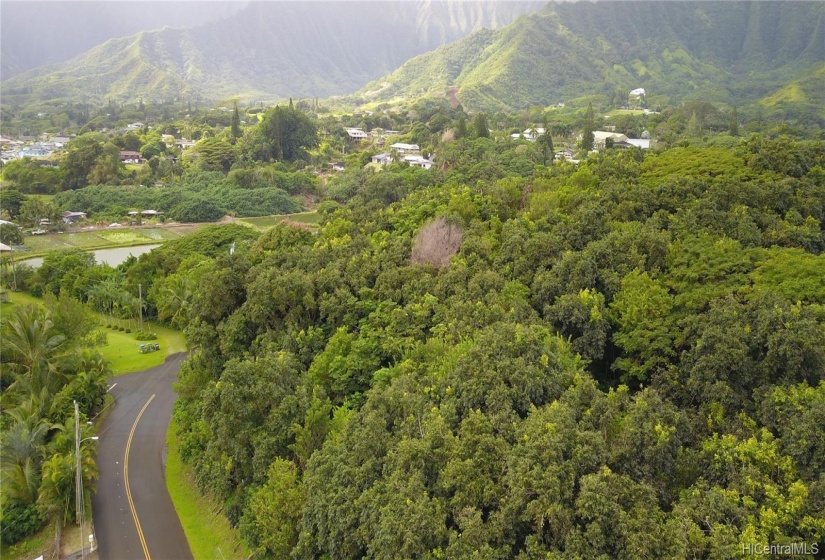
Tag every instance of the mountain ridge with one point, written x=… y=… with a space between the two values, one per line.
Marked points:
x=726 y=52
x=267 y=50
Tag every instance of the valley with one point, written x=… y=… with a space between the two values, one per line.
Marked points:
x=454 y=280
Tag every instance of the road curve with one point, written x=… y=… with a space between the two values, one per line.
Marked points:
x=134 y=516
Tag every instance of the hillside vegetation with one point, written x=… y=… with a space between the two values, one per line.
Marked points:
x=504 y=360
x=732 y=52
x=268 y=50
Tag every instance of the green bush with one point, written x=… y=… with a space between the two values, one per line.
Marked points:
x=145 y=335
x=20 y=521
x=197 y=210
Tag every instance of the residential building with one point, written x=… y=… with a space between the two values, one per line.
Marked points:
x=356 y=134
x=406 y=149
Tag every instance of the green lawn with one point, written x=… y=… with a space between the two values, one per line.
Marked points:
x=122 y=349
x=266 y=222
x=207 y=529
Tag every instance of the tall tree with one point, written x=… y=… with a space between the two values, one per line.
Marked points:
x=733 y=125
x=283 y=134
x=588 y=139
x=461 y=128
x=481 y=126
x=235 y=128
x=546 y=142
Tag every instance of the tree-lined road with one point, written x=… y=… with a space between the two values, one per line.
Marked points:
x=133 y=513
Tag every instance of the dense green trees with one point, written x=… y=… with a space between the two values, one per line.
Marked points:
x=33 y=176
x=45 y=368
x=253 y=193
x=620 y=359
x=285 y=133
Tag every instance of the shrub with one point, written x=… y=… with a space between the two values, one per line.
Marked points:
x=20 y=521
x=144 y=335
x=197 y=210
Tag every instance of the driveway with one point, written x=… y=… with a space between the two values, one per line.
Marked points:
x=133 y=513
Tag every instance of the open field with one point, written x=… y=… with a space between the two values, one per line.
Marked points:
x=122 y=350
x=206 y=528
x=37 y=245
x=309 y=218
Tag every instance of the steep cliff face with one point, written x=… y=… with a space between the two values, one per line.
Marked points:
x=268 y=50
x=722 y=51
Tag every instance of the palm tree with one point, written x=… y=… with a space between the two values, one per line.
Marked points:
x=104 y=294
x=33 y=350
x=175 y=299
x=57 y=489
x=21 y=453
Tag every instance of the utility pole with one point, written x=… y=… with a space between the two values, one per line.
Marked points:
x=78 y=481
x=140 y=307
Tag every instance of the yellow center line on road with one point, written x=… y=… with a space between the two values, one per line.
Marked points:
x=126 y=479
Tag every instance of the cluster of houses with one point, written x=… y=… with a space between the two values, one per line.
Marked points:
x=396 y=153
x=401 y=152
x=377 y=135
x=34 y=147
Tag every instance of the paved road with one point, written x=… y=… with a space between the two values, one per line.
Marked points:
x=133 y=513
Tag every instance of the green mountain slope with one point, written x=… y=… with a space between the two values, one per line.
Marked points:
x=717 y=51
x=267 y=50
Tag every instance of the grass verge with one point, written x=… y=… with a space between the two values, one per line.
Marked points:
x=207 y=530
x=39 y=544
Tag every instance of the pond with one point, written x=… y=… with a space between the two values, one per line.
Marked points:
x=112 y=257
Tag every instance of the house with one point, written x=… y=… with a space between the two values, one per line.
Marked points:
x=382 y=159
x=135 y=126
x=145 y=213
x=405 y=149
x=418 y=161
x=531 y=134
x=565 y=155
x=34 y=152
x=337 y=166
x=128 y=156
x=183 y=144
x=600 y=138
x=356 y=134
x=643 y=143
x=72 y=217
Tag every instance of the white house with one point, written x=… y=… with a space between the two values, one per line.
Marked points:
x=72 y=217
x=382 y=159
x=405 y=149
x=356 y=134
x=419 y=161
x=531 y=134
x=601 y=136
